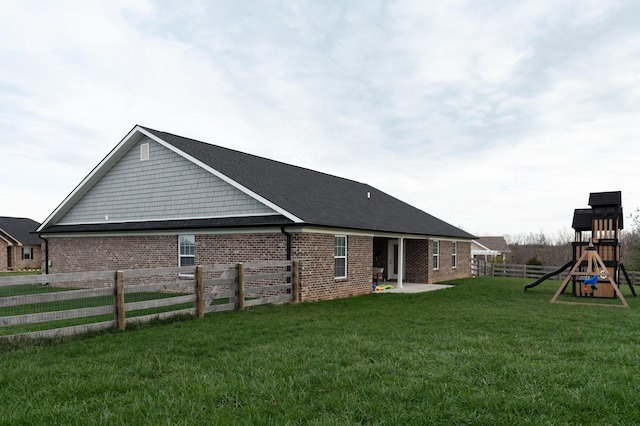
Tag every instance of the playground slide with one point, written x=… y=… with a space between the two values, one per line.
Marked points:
x=549 y=275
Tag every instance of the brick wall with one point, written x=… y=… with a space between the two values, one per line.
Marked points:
x=315 y=251
x=317 y=281
x=417 y=261
x=234 y=248
x=17 y=263
x=112 y=253
x=33 y=263
x=3 y=255
x=446 y=272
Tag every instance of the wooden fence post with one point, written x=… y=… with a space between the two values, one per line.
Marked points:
x=199 y=292
x=296 y=281
x=120 y=316
x=240 y=290
x=524 y=271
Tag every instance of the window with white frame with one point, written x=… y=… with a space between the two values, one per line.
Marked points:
x=186 y=250
x=454 y=254
x=340 y=256
x=436 y=254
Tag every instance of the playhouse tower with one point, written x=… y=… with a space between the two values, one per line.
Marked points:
x=598 y=226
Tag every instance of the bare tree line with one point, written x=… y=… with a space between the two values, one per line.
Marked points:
x=555 y=250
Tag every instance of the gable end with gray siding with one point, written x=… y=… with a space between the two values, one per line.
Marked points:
x=165 y=186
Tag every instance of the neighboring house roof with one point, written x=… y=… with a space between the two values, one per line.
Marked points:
x=497 y=244
x=18 y=231
x=295 y=194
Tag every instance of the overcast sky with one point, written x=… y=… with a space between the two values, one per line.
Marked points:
x=499 y=117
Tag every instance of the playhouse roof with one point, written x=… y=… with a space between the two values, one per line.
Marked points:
x=611 y=198
x=582 y=219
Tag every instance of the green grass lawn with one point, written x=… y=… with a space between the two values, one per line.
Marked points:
x=16 y=273
x=483 y=352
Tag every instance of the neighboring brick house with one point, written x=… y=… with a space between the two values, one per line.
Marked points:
x=494 y=249
x=19 y=247
x=159 y=199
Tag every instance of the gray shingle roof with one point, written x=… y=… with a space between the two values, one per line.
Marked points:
x=495 y=243
x=314 y=197
x=20 y=229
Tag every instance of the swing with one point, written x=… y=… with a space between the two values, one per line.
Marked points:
x=592 y=281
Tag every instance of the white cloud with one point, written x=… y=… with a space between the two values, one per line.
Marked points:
x=490 y=115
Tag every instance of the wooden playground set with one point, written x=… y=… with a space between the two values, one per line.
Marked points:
x=595 y=267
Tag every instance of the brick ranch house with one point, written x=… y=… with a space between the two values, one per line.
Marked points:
x=19 y=246
x=159 y=199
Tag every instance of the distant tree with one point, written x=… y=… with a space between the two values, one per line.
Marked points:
x=630 y=243
x=534 y=261
x=552 y=251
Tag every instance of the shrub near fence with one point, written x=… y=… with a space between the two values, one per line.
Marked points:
x=483 y=268
x=55 y=305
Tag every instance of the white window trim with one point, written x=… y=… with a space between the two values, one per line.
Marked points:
x=454 y=254
x=436 y=255
x=180 y=255
x=346 y=273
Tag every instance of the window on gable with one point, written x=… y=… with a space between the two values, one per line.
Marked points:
x=340 y=256
x=454 y=254
x=187 y=250
x=27 y=254
x=436 y=254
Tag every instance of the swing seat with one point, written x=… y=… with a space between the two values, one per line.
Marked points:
x=591 y=280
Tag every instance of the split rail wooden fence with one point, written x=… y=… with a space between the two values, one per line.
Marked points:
x=109 y=299
x=481 y=267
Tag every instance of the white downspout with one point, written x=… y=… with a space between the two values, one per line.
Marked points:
x=400 y=261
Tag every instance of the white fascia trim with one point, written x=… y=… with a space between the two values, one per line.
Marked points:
x=10 y=239
x=223 y=177
x=380 y=234
x=365 y=233
x=101 y=222
x=95 y=174
x=485 y=252
x=9 y=243
x=350 y=231
x=485 y=248
x=450 y=239
x=171 y=232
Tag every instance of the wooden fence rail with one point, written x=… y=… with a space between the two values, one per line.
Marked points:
x=483 y=268
x=152 y=293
